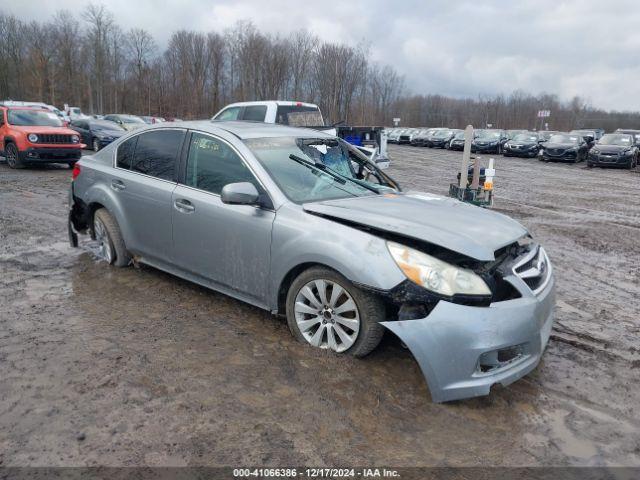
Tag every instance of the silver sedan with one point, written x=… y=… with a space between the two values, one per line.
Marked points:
x=300 y=223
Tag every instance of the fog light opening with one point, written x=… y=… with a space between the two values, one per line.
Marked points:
x=497 y=359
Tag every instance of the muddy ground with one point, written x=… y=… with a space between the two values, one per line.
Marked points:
x=107 y=366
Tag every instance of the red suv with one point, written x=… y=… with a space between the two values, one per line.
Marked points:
x=35 y=135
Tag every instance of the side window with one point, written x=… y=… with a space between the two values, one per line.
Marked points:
x=255 y=113
x=125 y=152
x=230 y=113
x=212 y=164
x=156 y=153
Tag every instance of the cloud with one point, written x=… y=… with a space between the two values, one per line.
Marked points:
x=574 y=47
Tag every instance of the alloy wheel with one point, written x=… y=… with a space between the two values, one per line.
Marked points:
x=105 y=250
x=96 y=145
x=327 y=315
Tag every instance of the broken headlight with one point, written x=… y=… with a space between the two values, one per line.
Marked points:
x=435 y=275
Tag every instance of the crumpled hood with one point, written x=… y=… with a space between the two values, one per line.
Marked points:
x=472 y=231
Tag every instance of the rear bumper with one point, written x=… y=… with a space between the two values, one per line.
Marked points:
x=51 y=154
x=455 y=343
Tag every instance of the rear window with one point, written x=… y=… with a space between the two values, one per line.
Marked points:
x=299 y=116
x=256 y=113
x=156 y=153
x=230 y=113
x=125 y=153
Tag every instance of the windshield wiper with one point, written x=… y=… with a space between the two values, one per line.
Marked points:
x=317 y=167
x=338 y=176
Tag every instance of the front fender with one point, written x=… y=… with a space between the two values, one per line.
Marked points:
x=299 y=237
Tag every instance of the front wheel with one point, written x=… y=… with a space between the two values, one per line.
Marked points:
x=13 y=156
x=327 y=311
x=95 y=145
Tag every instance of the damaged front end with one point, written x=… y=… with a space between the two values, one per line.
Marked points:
x=464 y=345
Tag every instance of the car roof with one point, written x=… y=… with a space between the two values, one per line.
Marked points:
x=271 y=102
x=245 y=130
x=25 y=107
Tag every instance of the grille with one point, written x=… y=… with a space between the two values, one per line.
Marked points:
x=555 y=151
x=54 y=138
x=534 y=269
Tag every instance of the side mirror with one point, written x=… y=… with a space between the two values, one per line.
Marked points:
x=242 y=193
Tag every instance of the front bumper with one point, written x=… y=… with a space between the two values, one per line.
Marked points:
x=610 y=160
x=51 y=154
x=454 y=343
x=568 y=156
x=521 y=152
x=485 y=148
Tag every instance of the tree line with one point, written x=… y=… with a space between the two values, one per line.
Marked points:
x=87 y=60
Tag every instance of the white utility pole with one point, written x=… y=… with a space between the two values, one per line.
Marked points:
x=466 y=156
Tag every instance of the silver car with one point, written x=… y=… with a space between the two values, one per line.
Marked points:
x=300 y=223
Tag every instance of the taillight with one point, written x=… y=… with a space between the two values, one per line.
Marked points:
x=75 y=172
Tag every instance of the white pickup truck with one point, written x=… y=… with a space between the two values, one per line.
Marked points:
x=372 y=141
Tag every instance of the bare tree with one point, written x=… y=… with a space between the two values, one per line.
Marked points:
x=95 y=65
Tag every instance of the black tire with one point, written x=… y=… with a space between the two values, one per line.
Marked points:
x=95 y=145
x=589 y=165
x=371 y=310
x=12 y=156
x=122 y=255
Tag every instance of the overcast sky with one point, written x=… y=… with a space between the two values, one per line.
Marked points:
x=589 y=48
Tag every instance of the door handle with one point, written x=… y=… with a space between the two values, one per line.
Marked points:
x=118 y=185
x=184 y=206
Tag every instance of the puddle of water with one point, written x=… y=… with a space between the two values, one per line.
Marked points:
x=568 y=441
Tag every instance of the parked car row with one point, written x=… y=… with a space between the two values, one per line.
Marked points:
x=621 y=148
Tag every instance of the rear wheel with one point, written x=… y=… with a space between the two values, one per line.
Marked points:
x=327 y=311
x=106 y=232
x=13 y=156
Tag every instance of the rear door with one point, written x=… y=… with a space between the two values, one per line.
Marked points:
x=146 y=166
x=229 y=245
